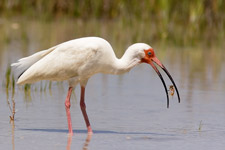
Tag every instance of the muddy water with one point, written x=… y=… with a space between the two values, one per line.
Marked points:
x=127 y=111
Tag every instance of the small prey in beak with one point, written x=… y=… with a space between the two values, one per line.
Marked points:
x=151 y=59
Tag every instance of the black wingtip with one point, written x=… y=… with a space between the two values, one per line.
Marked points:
x=20 y=74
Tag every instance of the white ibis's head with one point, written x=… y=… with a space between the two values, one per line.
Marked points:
x=146 y=54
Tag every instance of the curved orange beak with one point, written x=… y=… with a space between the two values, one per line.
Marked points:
x=153 y=59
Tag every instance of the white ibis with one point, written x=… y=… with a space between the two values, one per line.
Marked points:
x=77 y=60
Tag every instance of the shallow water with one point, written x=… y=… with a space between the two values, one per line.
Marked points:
x=127 y=111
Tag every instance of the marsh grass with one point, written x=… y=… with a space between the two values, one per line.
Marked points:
x=42 y=87
x=27 y=87
x=174 y=21
x=8 y=78
x=45 y=86
x=200 y=126
x=10 y=86
x=50 y=87
x=27 y=92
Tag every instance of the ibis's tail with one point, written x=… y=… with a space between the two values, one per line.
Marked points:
x=24 y=63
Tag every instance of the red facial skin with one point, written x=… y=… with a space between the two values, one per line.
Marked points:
x=149 y=58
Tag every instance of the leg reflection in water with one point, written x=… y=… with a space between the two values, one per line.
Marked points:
x=86 y=143
x=69 y=140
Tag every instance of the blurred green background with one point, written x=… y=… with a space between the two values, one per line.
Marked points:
x=187 y=22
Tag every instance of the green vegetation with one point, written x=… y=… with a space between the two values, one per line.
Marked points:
x=7 y=76
x=179 y=22
x=188 y=11
x=27 y=87
x=200 y=126
x=10 y=86
x=9 y=81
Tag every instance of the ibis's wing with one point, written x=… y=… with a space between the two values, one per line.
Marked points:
x=62 y=63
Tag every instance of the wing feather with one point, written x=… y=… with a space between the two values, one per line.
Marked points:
x=65 y=62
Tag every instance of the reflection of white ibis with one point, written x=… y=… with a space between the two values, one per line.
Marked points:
x=77 y=60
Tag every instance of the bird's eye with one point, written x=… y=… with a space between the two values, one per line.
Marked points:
x=149 y=53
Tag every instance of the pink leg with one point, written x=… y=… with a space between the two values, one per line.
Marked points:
x=67 y=105
x=83 y=109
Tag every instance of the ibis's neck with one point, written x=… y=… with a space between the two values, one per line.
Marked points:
x=124 y=64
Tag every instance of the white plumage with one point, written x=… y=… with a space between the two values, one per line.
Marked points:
x=77 y=60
